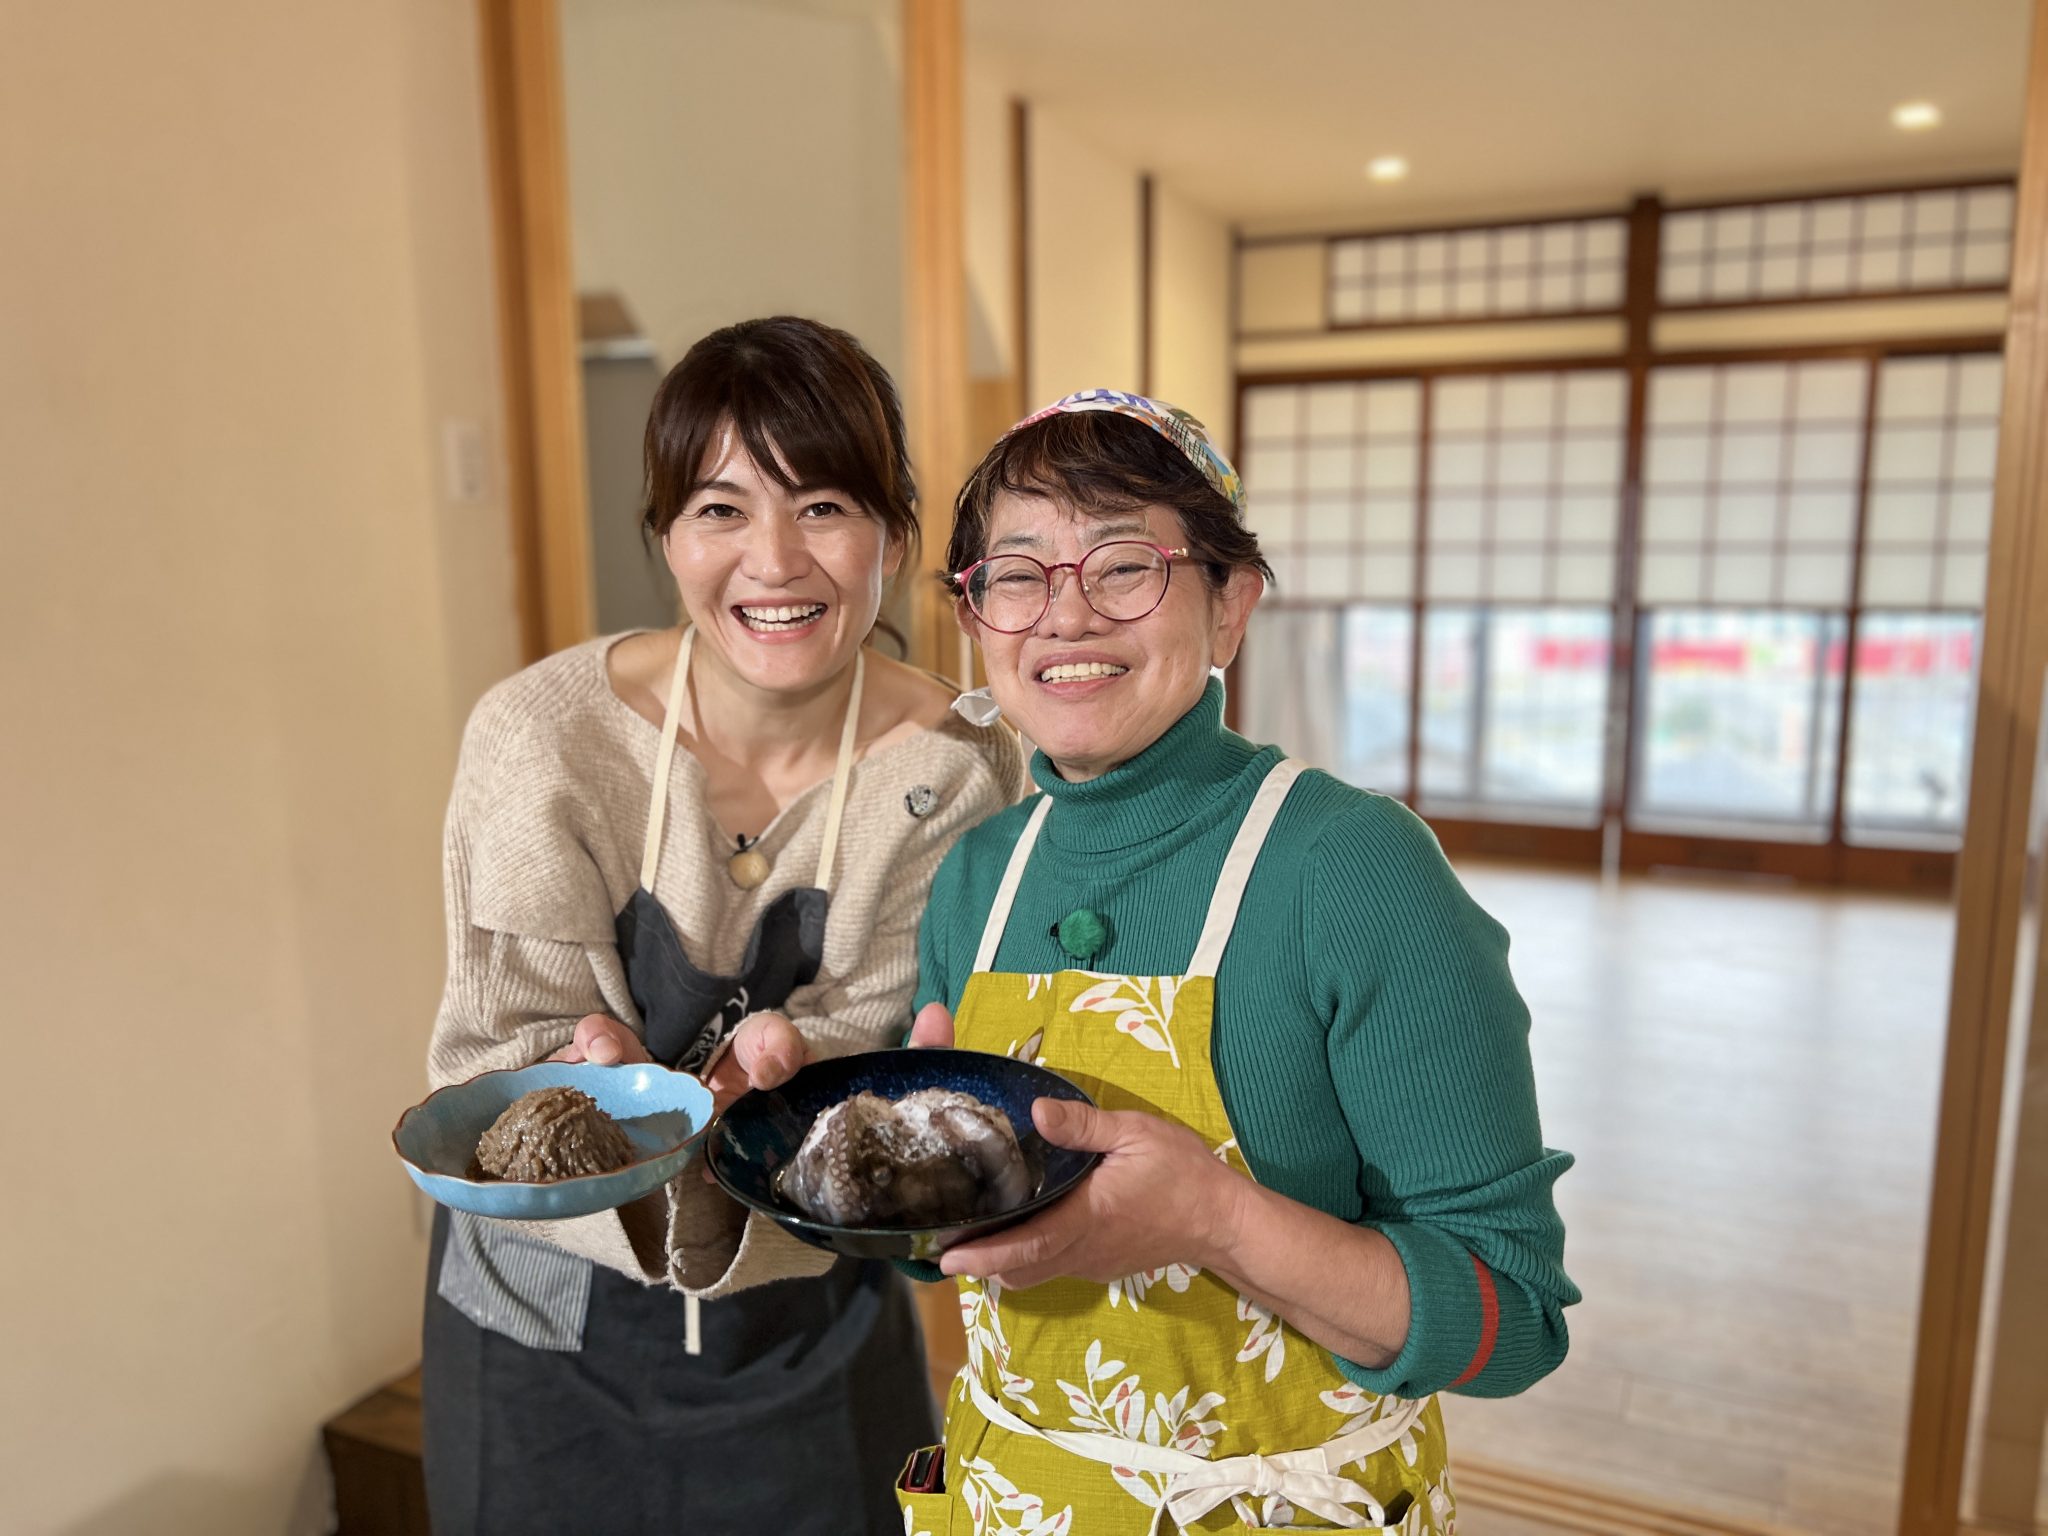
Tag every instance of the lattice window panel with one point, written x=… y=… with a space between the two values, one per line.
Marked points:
x=1332 y=477
x=1928 y=531
x=1525 y=486
x=1750 y=483
x=1565 y=266
x=1832 y=247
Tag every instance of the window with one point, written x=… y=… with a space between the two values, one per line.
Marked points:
x=1811 y=550
x=1514 y=710
x=1836 y=247
x=1350 y=719
x=1332 y=476
x=1936 y=438
x=1562 y=266
x=1909 y=733
x=1525 y=486
x=1738 y=718
x=1750 y=484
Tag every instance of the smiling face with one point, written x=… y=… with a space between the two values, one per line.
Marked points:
x=1092 y=692
x=783 y=585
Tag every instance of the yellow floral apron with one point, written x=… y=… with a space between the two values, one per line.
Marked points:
x=1164 y=1400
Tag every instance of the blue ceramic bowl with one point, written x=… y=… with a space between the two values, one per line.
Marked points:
x=762 y=1131
x=663 y=1114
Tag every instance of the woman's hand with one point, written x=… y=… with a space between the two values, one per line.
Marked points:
x=765 y=1052
x=1159 y=1196
x=933 y=1026
x=603 y=1041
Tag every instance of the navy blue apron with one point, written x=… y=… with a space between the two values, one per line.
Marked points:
x=657 y=1424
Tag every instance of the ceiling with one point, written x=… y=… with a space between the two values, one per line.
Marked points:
x=1266 y=111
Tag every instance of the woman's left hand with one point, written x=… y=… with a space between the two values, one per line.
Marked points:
x=1159 y=1196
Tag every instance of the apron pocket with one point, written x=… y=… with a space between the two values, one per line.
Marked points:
x=925 y=1513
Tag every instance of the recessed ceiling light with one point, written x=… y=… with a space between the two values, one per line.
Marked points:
x=1916 y=115
x=1387 y=168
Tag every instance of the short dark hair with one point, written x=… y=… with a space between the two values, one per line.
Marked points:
x=810 y=404
x=1098 y=462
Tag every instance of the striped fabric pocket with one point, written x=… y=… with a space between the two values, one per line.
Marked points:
x=531 y=1292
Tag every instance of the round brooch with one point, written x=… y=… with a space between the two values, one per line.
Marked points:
x=921 y=801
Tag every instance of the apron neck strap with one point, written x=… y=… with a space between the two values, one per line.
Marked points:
x=664 y=759
x=1237 y=867
x=1006 y=893
x=1230 y=884
x=842 y=773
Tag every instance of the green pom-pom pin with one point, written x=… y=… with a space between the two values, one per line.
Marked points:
x=1083 y=934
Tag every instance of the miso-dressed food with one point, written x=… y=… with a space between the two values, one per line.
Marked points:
x=550 y=1134
x=930 y=1158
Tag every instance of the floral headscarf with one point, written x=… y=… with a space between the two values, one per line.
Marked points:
x=1177 y=426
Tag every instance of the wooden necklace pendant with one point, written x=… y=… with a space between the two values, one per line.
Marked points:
x=749 y=867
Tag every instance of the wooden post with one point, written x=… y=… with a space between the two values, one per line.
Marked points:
x=1991 y=873
x=936 y=391
x=547 y=491
x=936 y=397
x=1624 y=708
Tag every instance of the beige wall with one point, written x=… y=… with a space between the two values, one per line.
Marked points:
x=1280 y=287
x=730 y=159
x=248 y=276
x=1086 y=275
x=1791 y=325
x=989 y=196
x=1421 y=345
x=1083 y=262
x=1191 y=362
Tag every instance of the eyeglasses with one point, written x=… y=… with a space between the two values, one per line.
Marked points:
x=1122 y=580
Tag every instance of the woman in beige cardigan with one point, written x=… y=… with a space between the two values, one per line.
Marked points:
x=708 y=846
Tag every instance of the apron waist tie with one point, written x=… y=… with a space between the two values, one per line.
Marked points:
x=1196 y=1485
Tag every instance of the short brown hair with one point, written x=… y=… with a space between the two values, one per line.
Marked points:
x=1099 y=462
x=810 y=404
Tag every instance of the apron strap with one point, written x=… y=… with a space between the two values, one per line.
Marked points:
x=842 y=773
x=1006 y=893
x=1195 y=1485
x=1237 y=867
x=664 y=759
x=657 y=808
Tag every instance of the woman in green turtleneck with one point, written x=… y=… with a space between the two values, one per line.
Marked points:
x=1324 y=1195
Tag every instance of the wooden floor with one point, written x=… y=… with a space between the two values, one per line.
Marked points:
x=1748 y=1077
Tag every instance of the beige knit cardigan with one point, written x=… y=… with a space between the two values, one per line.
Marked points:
x=542 y=848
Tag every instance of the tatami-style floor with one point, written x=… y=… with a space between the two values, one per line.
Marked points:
x=1748 y=1077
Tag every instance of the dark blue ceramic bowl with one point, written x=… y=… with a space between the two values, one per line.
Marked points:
x=663 y=1114
x=762 y=1131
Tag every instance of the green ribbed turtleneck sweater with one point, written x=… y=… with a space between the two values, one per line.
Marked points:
x=1372 y=1050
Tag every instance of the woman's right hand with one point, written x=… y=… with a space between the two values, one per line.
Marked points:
x=603 y=1041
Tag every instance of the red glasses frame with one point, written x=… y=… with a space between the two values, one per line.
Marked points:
x=959 y=580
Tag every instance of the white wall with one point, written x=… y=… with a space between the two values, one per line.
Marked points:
x=989 y=198
x=248 y=274
x=728 y=160
x=1083 y=262
x=1191 y=342
x=1087 y=278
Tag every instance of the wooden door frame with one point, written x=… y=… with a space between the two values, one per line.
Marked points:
x=548 y=495
x=1991 y=870
x=547 y=492
x=936 y=393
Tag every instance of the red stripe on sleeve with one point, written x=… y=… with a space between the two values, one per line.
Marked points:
x=1489 y=1323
